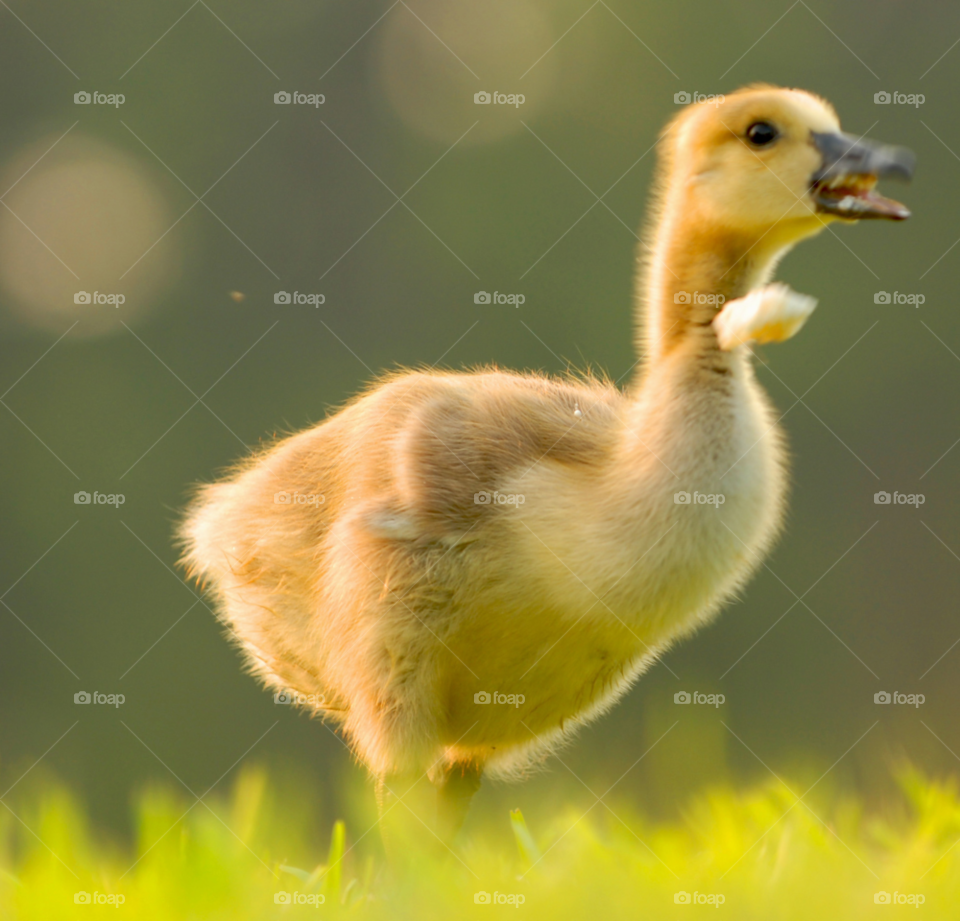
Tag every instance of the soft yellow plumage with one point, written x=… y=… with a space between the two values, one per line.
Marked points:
x=454 y=535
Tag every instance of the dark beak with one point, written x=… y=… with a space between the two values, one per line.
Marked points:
x=843 y=186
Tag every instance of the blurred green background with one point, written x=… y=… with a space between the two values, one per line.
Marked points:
x=502 y=199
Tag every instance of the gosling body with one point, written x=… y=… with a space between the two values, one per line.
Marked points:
x=449 y=536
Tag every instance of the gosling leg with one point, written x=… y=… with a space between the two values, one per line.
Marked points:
x=455 y=791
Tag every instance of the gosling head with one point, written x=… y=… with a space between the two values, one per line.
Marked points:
x=774 y=161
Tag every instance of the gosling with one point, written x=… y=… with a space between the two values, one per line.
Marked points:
x=446 y=537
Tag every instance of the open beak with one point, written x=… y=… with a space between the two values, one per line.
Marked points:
x=844 y=184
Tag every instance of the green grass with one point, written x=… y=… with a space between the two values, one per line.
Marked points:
x=768 y=856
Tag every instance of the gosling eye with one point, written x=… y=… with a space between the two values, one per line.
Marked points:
x=761 y=133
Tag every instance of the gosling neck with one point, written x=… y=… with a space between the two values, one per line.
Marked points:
x=693 y=270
